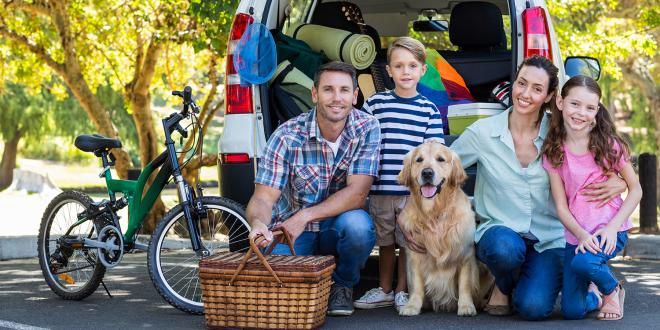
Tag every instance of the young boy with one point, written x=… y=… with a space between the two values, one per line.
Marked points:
x=407 y=119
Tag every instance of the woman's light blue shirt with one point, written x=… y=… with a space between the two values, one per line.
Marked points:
x=504 y=194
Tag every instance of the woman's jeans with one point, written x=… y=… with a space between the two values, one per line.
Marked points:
x=350 y=237
x=582 y=268
x=534 y=279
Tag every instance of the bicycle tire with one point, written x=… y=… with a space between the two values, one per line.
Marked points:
x=84 y=283
x=173 y=250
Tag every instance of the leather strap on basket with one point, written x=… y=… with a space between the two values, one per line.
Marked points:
x=254 y=248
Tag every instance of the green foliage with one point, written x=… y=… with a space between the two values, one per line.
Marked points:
x=213 y=20
x=623 y=36
x=22 y=113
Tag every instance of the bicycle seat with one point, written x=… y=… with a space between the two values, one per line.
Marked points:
x=94 y=142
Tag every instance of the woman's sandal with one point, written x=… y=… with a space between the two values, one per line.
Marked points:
x=611 y=307
x=497 y=310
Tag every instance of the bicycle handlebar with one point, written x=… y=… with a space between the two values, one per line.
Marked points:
x=186 y=95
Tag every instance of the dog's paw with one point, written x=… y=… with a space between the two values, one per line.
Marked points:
x=467 y=310
x=410 y=310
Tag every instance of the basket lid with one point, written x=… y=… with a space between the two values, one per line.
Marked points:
x=279 y=263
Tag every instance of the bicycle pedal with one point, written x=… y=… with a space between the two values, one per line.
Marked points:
x=66 y=278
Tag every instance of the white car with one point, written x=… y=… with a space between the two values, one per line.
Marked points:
x=488 y=40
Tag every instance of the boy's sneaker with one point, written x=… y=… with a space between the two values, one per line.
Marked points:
x=400 y=300
x=339 y=303
x=375 y=298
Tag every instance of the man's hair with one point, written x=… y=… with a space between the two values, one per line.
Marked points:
x=412 y=45
x=336 y=66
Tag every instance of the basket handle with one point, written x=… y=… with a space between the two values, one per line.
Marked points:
x=254 y=248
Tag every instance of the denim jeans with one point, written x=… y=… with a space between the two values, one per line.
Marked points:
x=350 y=237
x=532 y=278
x=582 y=268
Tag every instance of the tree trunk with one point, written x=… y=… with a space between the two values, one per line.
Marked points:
x=70 y=71
x=139 y=97
x=8 y=162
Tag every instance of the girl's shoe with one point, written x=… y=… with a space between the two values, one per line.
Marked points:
x=497 y=310
x=613 y=305
x=593 y=288
x=400 y=300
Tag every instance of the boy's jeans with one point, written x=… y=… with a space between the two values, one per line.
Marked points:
x=537 y=285
x=350 y=237
x=582 y=268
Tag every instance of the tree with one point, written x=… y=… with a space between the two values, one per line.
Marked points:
x=21 y=115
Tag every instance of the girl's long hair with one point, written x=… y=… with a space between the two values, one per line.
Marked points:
x=602 y=136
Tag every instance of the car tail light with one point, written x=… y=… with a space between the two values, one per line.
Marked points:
x=234 y=158
x=238 y=97
x=536 y=33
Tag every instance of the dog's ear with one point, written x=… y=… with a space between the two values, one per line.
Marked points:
x=405 y=177
x=458 y=175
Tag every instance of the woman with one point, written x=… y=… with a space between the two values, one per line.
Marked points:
x=519 y=236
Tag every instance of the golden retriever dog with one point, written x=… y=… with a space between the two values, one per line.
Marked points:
x=439 y=217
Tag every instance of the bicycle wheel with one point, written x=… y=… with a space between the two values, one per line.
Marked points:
x=174 y=265
x=72 y=272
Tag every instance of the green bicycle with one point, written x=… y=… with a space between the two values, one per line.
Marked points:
x=79 y=238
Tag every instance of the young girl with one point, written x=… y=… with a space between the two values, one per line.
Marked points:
x=583 y=147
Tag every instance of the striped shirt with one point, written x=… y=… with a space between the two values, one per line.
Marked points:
x=299 y=162
x=405 y=123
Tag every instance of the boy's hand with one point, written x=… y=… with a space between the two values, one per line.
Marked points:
x=607 y=239
x=411 y=244
x=587 y=242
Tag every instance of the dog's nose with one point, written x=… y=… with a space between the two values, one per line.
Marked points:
x=427 y=174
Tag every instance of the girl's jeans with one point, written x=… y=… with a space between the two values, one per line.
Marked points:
x=582 y=268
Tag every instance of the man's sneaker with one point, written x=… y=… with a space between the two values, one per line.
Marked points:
x=339 y=303
x=400 y=300
x=375 y=298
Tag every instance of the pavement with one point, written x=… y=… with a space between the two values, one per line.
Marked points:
x=26 y=302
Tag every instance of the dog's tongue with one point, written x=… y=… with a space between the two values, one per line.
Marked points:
x=428 y=190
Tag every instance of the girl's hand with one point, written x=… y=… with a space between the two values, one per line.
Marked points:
x=607 y=239
x=587 y=242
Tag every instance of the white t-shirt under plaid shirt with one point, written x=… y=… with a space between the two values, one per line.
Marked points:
x=405 y=123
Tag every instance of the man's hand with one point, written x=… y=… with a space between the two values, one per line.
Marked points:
x=260 y=229
x=605 y=191
x=294 y=225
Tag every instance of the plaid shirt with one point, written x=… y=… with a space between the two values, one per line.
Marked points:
x=299 y=162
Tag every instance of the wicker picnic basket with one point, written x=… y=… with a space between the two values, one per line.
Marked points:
x=253 y=290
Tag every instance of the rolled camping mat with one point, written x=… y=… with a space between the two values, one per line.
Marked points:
x=358 y=50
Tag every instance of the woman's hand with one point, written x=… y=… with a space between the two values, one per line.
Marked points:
x=605 y=191
x=587 y=242
x=607 y=239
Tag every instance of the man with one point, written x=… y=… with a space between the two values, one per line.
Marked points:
x=313 y=180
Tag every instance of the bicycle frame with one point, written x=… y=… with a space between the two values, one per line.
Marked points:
x=139 y=206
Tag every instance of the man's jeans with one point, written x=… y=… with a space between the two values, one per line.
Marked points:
x=349 y=236
x=533 y=278
x=582 y=268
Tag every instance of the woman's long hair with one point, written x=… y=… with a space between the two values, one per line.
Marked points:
x=602 y=136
